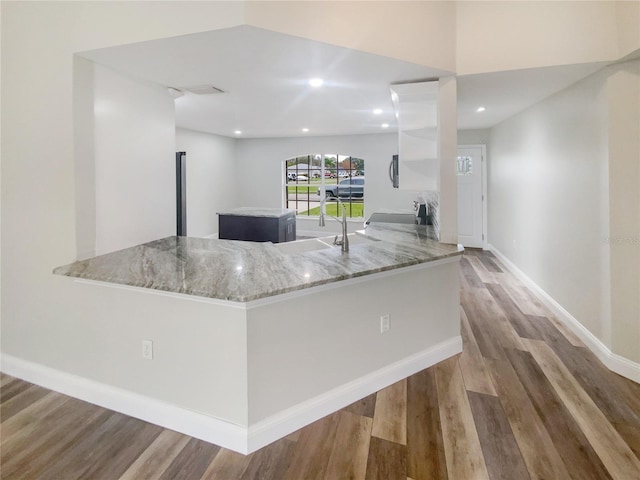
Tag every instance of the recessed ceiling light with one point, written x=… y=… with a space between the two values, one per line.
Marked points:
x=480 y=109
x=385 y=125
x=316 y=82
x=377 y=111
x=238 y=132
x=305 y=130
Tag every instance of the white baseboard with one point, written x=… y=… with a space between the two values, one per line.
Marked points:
x=234 y=437
x=616 y=363
x=135 y=405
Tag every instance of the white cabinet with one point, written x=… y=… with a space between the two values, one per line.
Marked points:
x=416 y=106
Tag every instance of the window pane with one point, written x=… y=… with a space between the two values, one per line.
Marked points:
x=305 y=187
x=464 y=166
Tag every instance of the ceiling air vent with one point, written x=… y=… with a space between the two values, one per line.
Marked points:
x=203 y=89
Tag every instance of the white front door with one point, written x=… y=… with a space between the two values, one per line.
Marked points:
x=470 y=198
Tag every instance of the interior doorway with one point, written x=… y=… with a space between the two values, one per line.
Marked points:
x=471 y=175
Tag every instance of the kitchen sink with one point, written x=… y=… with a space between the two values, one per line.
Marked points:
x=322 y=243
x=302 y=246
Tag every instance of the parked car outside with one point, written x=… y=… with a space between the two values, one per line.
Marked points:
x=351 y=187
x=296 y=178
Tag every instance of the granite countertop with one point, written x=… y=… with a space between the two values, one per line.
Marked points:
x=245 y=271
x=258 y=212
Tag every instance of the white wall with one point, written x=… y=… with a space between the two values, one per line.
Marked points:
x=474 y=137
x=623 y=89
x=549 y=198
x=628 y=17
x=39 y=41
x=498 y=36
x=262 y=164
x=418 y=32
x=319 y=348
x=134 y=129
x=211 y=179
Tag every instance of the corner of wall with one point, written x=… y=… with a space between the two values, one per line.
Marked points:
x=84 y=157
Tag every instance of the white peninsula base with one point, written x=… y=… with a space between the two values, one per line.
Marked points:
x=242 y=375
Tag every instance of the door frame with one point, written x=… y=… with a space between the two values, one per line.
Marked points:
x=485 y=197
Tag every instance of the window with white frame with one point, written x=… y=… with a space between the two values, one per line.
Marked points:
x=308 y=179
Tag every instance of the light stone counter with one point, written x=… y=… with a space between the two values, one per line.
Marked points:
x=245 y=271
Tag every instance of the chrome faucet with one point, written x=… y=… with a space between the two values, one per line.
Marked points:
x=344 y=242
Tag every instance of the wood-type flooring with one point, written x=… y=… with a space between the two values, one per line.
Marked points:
x=524 y=400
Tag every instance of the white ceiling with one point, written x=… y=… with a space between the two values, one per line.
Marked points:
x=264 y=76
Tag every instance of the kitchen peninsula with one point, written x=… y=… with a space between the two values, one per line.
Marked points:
x=255 y=340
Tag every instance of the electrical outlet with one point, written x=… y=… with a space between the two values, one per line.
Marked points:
x=147 y=349
x=384 y=323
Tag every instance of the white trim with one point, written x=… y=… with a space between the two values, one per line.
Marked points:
x=234 y=437
x=614 y=362
x=273 y=298
x=135 y=405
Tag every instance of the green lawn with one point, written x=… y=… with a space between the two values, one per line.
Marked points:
x=311 y=187
x=355 y=210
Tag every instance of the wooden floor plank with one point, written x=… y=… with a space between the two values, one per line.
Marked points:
x=21 y=401
x=596 y=380
x=490 y=327
x=310 y=457
x=51 y=452
x=119 y=449
x=577 y=453
x=493 y=316
x=425 y=448
x=390 y=417
x=13 y=388
x=37 y=446
x=227 y=464
x=627 y=390
x=489 y=260
x=350 y=450
x=4 y=379
x=487 y=342
x=546 y=312
x=481 y=270
x=614 y=452
x=538 y=450
x=294 y=436
x=499 y=447
x=461 y=443
x=191 y=462
x=470 y=275
x=518 y=295
x=157 y=457
x=521 y=324
x=387 y=460
x=365 y=406
x=270 y=462
x=631 y=435
x=31 y=418
x=474 y=372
